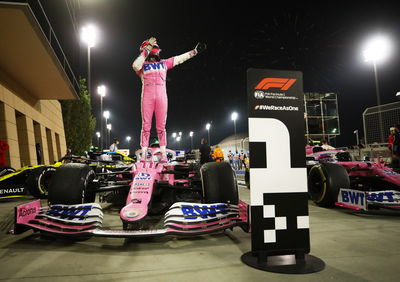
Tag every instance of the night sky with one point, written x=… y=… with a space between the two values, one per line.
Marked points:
x=324 y=42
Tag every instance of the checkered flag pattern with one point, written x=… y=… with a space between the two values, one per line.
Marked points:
x=282 y=223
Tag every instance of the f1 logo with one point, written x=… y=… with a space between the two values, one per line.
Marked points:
x=281 y=83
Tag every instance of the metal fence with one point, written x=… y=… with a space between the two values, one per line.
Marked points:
x=390 y=115
x=371 y=153
x=321 y=115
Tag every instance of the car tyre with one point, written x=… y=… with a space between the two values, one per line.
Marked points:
x=38 y=181
x=219 y=183
x=71 y=184
x=4 y=170
x=325 y=181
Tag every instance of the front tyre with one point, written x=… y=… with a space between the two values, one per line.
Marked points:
x=71 y=184
x=325 y=181
x=38 y=181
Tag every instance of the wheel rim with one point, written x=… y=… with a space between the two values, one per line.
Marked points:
x=44 y=181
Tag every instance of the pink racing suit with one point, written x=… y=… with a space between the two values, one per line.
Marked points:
x=154 y=93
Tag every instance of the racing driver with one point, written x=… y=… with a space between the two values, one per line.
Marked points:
x=153 y=72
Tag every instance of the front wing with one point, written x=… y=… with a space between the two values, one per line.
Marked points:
x=86 y=220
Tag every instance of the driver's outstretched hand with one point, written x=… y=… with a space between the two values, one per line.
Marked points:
x=200 y=47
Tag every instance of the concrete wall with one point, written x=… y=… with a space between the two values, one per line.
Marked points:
x=24 y=122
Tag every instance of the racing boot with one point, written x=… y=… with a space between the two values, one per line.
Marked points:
x=164 y=158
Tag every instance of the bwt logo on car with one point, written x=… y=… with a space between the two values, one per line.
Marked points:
x=357 y=198
x=143 y=176
x=69 y=213
x=380 y=197
x=353 y=197
x=204 y=212
x=281 y=83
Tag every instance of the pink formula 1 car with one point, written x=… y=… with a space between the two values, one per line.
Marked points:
x=161 y=199
x=335 y=179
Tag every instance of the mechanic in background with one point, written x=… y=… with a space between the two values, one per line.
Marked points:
x=326 y=146
x=205 y=151
x=391 y=139
x=243 y=160
x=218 y=155
x=236 y=160
x=230 y=157
x=114 y=145
x=396 y=148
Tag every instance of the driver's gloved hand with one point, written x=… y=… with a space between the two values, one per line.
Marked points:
x=200 y=47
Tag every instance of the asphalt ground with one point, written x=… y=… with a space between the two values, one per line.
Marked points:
x=355 y=246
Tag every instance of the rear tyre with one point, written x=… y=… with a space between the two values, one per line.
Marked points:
x=38 y=181
x=219 y=183
x=71 y=184
x=325 y=181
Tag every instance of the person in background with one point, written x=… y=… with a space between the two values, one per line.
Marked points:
x=247 y=160
x=391 y=139
x=230 y=157
x=243 y=158
x=114 y=145
x=396 y=148
x=325 y=145
x=205 y=151
x=236 y=160
x=68 y=152
x=218 y=154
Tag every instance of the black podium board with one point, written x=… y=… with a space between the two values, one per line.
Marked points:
x=278 y=177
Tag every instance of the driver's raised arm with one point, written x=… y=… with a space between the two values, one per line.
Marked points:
x=144 y=52
x=177 y=60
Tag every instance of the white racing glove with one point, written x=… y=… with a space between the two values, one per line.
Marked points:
x=149 y=46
